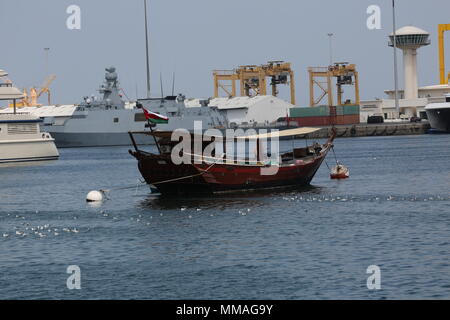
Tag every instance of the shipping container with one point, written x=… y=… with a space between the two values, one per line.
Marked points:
x=347 y=119
x=332 y=111
x=352 y=119
x=338 y=120
x=314 y=121
x=322 y=111
x=351 y=110
x=327 y=121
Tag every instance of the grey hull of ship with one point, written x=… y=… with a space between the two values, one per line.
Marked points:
x=75 y=140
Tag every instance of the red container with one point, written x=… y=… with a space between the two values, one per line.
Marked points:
x=352 y=119
x=347 y=119
x=340 y=120
x=314 y=121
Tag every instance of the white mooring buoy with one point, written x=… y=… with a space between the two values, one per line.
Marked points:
x=95 y=196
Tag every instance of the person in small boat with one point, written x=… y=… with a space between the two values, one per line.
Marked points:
x=340 y=168
x=317 y=148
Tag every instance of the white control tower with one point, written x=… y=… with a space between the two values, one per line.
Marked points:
x=409 y=39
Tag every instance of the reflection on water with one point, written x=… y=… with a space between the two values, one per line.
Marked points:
x=26 y=164
x=221 y=200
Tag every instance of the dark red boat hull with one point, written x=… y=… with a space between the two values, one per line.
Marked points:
x=168 y=178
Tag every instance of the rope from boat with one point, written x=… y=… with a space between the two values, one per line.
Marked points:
x=191 y=176
x=327 y=164
x=167 y=181
x=123 y=188
x=335 y=157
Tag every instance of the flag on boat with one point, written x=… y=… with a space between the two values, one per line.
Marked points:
x=154 y=117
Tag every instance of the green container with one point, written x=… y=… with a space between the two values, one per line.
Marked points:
x=301 y=112
x=351 y=110
x=340 y=110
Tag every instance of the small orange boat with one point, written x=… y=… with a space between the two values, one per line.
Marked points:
x=340 y=172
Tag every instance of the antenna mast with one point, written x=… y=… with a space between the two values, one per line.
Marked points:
x=146 y=49
x=161 y=84
x=397 y=107
x=173 y=83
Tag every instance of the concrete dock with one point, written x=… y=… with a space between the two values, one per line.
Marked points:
x=371 y=130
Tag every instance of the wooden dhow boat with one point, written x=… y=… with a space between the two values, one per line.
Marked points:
x=216 y=174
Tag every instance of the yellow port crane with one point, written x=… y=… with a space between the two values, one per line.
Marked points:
x=345 y=73
x=45 y=88
x=441 y=30
x=31 y=99
x=253 y=79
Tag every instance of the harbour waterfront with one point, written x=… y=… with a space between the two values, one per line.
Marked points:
x=372 y=130
x=314 y=243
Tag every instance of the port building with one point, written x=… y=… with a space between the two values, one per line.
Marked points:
x=412 y=99
x=244 y=111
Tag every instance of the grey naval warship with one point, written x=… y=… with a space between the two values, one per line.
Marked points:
x=106 y=121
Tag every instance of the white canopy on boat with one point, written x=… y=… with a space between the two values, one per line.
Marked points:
x=282 y=133
x=10 y=93
x=274 y=134
x=3 y=73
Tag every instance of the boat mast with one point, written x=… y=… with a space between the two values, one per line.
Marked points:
x=397 y=107
x=161 y=84
x=146 y=49
x=173 y=83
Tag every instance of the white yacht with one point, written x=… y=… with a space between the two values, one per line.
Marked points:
x=20 y=137
x=439 y=115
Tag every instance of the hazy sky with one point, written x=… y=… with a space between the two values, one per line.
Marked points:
x=193 y=37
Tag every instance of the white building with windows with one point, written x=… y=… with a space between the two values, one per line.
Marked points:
x=248 y=111
x=412 y=99
x=386 y=107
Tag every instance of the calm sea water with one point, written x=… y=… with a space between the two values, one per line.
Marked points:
x=394 y=212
